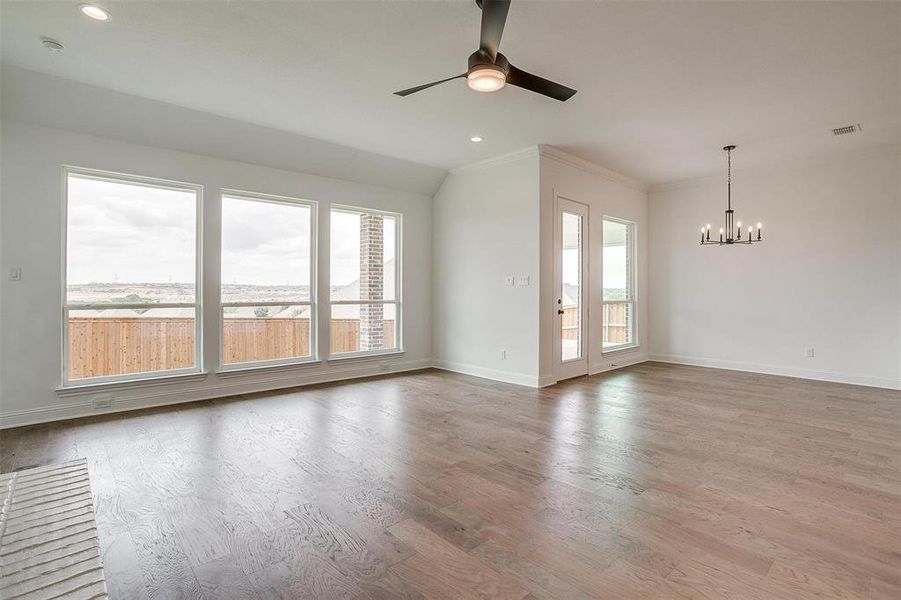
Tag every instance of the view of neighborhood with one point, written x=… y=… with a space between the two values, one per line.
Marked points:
x=131 y=262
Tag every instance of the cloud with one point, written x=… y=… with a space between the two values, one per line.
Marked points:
x=129 y=232
x=265 y=243
x=123 y=232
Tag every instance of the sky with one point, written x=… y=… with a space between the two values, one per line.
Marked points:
x=129 y=233
x=345 y=246
x=614 y=266
x=265 y=243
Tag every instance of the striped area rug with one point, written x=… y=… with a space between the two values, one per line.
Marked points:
x=48 y=540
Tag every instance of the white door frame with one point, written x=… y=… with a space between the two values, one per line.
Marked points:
x=565 y=369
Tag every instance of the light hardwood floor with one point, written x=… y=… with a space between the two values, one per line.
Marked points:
x=654 y=481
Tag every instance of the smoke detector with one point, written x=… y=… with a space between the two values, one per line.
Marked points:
x=846 y=129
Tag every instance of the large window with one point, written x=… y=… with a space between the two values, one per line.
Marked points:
x=364 y=282
x=619 y=284
x=132 y=306
x=268 y=308
x=131 y=265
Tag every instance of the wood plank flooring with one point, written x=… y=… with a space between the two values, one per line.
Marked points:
x=654 y=481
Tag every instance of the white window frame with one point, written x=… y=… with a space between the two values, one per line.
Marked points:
x=197 y=305
x=633 y=285
x=398 y=278
x=314 y=315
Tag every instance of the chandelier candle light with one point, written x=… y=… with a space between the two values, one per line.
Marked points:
x=731 y=228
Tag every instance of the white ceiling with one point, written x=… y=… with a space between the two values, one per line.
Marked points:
x=662 y=87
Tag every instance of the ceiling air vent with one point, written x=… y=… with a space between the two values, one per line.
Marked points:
x=846 y=129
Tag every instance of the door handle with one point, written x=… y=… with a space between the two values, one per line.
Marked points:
x=560 y=312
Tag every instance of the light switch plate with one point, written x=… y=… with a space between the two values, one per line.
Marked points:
x=523 y=280
x=15 y=274
x=509 y=281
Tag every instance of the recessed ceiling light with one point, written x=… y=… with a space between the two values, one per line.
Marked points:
x=52 y=45
x=476 y=139
x=95 y=12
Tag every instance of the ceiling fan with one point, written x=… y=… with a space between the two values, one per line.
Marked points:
x=489 y=70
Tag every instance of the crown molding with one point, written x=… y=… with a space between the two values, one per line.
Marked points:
x=495 y=161
x=562 y=157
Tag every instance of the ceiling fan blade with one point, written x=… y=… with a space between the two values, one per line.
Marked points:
x=539 y=85
x=494 y=16
x=419 y=88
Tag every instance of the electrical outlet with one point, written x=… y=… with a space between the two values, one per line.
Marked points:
x=509 y=280
x=102 y=402
x=523 y=280
x=503 y=355
x=810 y=353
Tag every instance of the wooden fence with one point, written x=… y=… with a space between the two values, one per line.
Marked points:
x=615 y=315
x=116 y=346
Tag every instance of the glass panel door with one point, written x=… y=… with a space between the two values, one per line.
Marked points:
x=571 y=301
x=571 y=286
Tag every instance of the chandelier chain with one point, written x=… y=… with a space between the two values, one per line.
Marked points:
x=729 y=178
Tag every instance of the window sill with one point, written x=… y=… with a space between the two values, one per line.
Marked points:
x=355 y=357
x=621 y=348
x=77 y=389
x=238 y=370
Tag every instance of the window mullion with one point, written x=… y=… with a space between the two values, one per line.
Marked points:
x=268 y=303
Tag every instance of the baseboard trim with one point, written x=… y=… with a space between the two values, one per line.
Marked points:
x=476 y=371
x=546 y=380
x=541 y=381
x=612 y=364
x=221 y=388
x=234 y=385
x=813 y=374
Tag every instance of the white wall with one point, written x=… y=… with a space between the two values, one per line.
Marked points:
x=38 y=98
x=606 y=193
x=496 y=219
x=485 y=228
x=31 y=233
x=826 y=277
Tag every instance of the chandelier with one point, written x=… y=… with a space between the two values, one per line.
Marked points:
x=728 y=233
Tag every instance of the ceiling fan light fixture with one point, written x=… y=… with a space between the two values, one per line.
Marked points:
x=98 y=13
x=488 y=70
x=486 y=78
